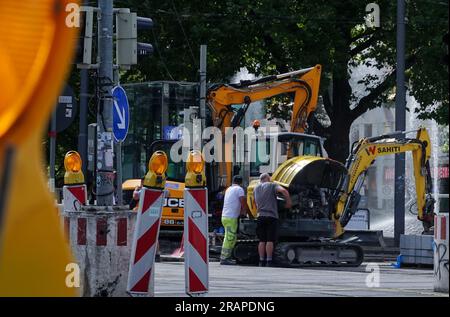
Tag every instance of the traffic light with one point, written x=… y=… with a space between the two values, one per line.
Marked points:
x=445 y=40
x=144 y=24
x=83 y=57
x=127 y=46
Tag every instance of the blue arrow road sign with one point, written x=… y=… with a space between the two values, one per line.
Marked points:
x=121 y=114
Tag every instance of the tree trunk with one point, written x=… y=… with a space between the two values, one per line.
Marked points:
x=337 y=106
x=337 y=144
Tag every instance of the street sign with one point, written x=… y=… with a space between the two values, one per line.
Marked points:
x=66 y=109
x=121 y=115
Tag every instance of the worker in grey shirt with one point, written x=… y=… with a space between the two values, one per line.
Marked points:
x=267 y=222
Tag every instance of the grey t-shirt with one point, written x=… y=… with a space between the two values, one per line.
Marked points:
x=266 y=199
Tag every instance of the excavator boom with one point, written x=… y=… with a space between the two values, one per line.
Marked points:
x=303 y=83
x=363 y=155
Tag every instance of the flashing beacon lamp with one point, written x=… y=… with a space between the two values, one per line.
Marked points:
x=195 y=166
x=157 y=167
x=72 y=164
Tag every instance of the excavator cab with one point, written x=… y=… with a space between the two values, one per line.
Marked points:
x=270 y=152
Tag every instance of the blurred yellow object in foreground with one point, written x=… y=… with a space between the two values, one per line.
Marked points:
x=35 y=54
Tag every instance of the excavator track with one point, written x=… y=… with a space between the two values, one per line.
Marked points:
x=304 y=254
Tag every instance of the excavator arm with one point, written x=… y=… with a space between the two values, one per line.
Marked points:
x=304 y=83
x=364 y=153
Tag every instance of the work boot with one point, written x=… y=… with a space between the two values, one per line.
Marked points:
x=227 y=262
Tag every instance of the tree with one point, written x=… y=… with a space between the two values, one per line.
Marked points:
x=268 y=36
x=291 y=34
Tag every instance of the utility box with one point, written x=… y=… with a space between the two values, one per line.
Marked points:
x=92 y=147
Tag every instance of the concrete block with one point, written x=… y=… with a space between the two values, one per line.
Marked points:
x=427 y=261
x=407 y=241
x=408 y=252
x=101 y=243
x=409 y=259
x=418 y=242
x=427 y=242
x=425 y=253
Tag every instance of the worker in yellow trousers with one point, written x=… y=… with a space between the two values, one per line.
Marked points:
x=234 y=205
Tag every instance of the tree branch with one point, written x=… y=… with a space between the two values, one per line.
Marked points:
x=389 y=81
x=362 y=46
x=366 y=101
x=360 y=36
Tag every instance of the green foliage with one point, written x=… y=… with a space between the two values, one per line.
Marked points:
x=268 y=36
x=279 y=107
x=271 y=36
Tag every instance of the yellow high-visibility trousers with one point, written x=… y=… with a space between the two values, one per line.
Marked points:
x=230 y=225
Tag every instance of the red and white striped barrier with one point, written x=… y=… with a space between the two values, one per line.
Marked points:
x=196 y=253
x=145 y=240
x=77 y=229
x=100 y=240
x=441 y=277
x=74 y=196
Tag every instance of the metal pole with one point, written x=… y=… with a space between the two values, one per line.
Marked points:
x=118 y=153
x=400 y=125
x=105 y=149
x=203 y=56
x=52 y=150
x=82 y=136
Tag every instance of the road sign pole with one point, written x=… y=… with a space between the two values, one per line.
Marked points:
x=119 y=174
x=105 y=149
x=82 y=136
x=400 y=125
x=118 y=152
x=203 y=62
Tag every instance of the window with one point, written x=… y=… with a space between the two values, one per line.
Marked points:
x=259 y=149
x=311 y=148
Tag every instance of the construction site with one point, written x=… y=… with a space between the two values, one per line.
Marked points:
x=119 y=160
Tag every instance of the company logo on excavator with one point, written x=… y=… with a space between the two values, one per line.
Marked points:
x=174 y=202
x=384 y=149
x=371 y=150
x=389 y=149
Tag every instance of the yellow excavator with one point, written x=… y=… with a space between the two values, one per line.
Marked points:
x=303 y=84
x=325 y=195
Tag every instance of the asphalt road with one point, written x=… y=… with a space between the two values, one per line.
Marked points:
x=249 y=281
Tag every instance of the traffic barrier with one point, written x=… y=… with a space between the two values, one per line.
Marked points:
x=196 y=253
x=440 y=248
x=145 y=240
x=74 y=196
x=98 y=235
x=77 y=226
x=100 y=240
x=74 y=190
x=143 y=251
